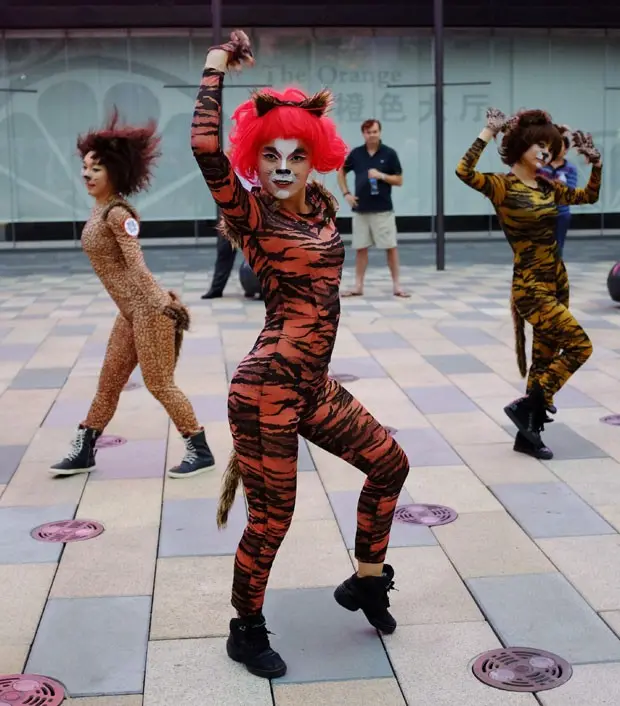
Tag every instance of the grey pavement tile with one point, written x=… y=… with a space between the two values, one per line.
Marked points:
x=240 y=325
x=550 y=510
x=474 y=316
x=597 y=324
x=94 y=349
x=426 y=447
x=566 y=443
x=17 y=351
x=40 y=378
x=467 y=335
x=210 y=408
x=10 y=457
x=74 y=329
x=16 y=523
x=321 y=641
x=456 y=364
x=344 y=505
x=545 y=611
x=442 y=399
x=188 y=528
x=382 y=339
x=305 y=462
x=94 y=646
x=201 y=346
x=572 y=397
x=66 y=413
x=362 y=367
x=135 y=459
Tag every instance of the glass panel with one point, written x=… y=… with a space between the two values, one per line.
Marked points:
x=7 y=184
x=42 y=135
x=610 y=195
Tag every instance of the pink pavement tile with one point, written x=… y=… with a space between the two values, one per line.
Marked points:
x=135 y=459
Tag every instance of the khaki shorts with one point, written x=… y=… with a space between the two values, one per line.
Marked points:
x=378 y=229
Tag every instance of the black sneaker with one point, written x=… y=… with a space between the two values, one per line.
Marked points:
x=529 y=414
x=212 y=295
x=81 y=457
x=198 y=457
x=248 y=643
x=523 y=446
x=370 y=594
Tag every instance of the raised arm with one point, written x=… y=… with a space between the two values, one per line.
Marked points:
x=565 y=194
x=239 y=207
x=493 y=186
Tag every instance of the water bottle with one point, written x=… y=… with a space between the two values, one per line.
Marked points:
x=374 y=187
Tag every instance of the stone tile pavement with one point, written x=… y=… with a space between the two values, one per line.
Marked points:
x=138 y=615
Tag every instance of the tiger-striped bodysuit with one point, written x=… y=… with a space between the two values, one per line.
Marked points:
x=540 y=290
x=281 y=388
x=142 y=333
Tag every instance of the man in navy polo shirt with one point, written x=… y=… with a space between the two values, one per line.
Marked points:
x=377 y=169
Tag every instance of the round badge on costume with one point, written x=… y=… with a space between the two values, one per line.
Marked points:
x=131 y=227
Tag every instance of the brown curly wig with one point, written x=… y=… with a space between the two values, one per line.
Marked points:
x=531 y=127
x=127 y=152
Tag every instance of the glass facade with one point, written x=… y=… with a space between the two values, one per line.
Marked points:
x=55 y=85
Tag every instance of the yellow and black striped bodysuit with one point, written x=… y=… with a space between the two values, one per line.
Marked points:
x=540 y=290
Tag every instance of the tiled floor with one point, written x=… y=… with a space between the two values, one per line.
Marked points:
x=138 y=616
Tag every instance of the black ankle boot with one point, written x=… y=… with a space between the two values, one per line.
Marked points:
x=522 y=445
x=81 y=457
x=529 y=414
x=198 y=457
x=370 y=594
x=248 y=643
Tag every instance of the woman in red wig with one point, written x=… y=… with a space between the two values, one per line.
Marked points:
x=117 y=163
x=287 y=232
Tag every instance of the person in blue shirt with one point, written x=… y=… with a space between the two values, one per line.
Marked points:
x=566 y=172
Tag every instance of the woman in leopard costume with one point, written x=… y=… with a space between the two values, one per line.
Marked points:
x=148 y=331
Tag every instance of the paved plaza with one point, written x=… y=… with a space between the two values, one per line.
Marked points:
x=138 y=616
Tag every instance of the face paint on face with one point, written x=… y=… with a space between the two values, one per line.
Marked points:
x=542 y=158
x=95 y=177
x=284 y=167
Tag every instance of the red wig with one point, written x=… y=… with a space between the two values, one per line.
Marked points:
x=292 y=114
x=127 y=152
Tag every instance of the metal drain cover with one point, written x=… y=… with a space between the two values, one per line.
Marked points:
x=106 y=442
x=67 y=531
x=30 y=690
x=390 y=430
x=428 y=515
x=521 y=669
x=613 y=419
x=132 y=385
x=344 y=377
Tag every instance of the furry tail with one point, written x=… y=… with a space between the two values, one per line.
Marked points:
x=180 y=313
x=230 y=481
x=519 y=327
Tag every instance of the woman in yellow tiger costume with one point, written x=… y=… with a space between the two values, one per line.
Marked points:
x=526 y=205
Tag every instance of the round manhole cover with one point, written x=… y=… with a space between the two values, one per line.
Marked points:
x=613 y=419
x=344 y=377
x=67 y=531
x=106 y=442
x=390 y=430
x=425 y=514
x=131 y=385
x=30 y=690
x=521 y=669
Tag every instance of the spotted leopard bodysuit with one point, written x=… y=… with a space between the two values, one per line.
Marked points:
x=141 y=334
x=540 y=289
x=281 y=388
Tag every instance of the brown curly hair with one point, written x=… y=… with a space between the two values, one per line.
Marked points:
x=127 y=152
x=531 y=127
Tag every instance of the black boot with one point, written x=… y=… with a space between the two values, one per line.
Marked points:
x=212 y=295
x=370 y=594
x=81 y=457
x=529 y=414
x=522 y=445
x=198 y=457
x=248 y=643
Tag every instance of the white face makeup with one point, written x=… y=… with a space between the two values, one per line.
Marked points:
x=284 y=167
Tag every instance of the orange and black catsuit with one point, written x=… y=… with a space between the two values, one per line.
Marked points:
x=142 y=332
x=281 y=388
x=540 y=291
